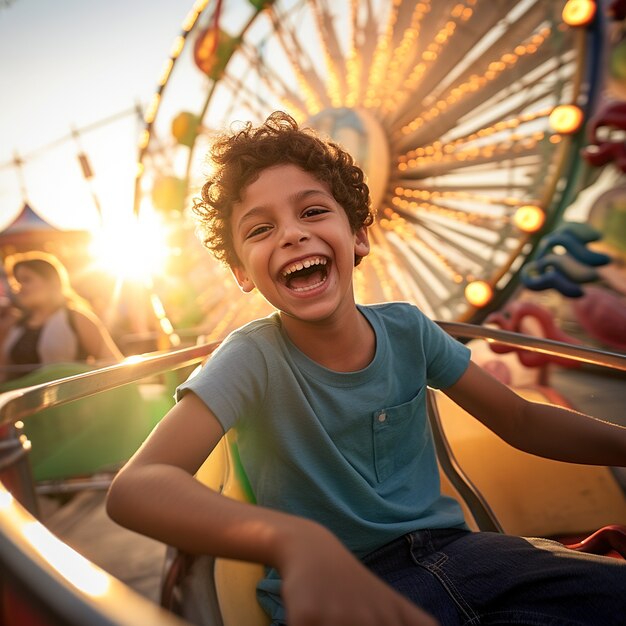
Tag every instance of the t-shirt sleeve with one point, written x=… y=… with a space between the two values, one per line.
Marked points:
x=232 y=382
x=446 y=358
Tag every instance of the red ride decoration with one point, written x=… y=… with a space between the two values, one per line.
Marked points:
x=512 y=317
x=611 y=115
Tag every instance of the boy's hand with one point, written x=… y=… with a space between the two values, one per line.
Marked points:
x=325 y=585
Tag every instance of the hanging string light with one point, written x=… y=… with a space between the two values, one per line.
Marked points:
x=87 y=172
x=478 y=293
x=579 y=12
x=566 y=119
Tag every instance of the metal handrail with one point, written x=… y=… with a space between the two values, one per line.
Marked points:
x=471 y=495
x=70 y=589
x=28 y=551
x=19 y=404
x=582 y=354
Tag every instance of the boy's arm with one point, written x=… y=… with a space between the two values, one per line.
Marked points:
x=543 y=429
x=156 y=494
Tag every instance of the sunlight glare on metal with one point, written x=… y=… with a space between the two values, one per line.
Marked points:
x=75 y=568
x=6 y=500
x=135 y=358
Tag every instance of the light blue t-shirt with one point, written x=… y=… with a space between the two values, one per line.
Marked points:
x=352 y=451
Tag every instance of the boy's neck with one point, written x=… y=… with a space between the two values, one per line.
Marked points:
x=345 y=343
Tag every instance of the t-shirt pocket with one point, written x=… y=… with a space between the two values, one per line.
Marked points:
x=400 y=434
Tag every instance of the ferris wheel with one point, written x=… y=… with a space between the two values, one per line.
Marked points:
x=464 y=114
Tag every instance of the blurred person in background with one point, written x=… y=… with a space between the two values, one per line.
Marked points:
x=47 y=321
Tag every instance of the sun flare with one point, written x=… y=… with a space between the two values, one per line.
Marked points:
x=132 y=249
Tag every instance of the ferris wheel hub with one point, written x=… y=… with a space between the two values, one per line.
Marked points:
x=361 y=134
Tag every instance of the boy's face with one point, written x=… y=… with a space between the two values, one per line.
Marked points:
x=295 y=244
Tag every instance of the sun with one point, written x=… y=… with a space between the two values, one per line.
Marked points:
x=132 y=249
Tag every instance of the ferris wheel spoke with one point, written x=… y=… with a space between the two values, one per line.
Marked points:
x=493 y=188
x=437 y=268
x=364 y=36
x=476 y=85
x=460 y=264
x=397 y=272
x=449 y=50
x=443 y=42
x=336 y=82
x=380 y=56
x=476 y=204
x=398 y=52
x=475 y=244
x=447 y=265
x=273 y=82
x=424 y=286
x=490 y=132
x=247 y=96
x=312 y=86
x=535 y=105
x=536 y=91
x=517 y=151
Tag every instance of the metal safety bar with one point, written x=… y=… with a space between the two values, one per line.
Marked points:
x=24 y=560
x=550 y=347
x=38 y=572
x=19 y=404
x=450 y=465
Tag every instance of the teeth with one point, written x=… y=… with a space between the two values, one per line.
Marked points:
x=311 y=287
x=298 y=265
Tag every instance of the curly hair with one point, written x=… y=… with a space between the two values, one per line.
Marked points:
x=240 y=158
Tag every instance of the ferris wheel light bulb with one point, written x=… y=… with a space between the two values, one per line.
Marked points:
x=478 y=293
x=529 y=218
x=566 y=119
x=579 y=12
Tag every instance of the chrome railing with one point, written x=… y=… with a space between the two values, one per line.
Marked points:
x=582 y=354
x=39 y=571
x=33 y=560
x=471 y=495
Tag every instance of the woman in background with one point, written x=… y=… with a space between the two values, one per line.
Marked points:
x=52 y=324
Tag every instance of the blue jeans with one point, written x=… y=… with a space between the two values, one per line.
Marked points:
x=463 y=577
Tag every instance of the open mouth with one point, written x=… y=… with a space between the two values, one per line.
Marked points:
x=306 y=274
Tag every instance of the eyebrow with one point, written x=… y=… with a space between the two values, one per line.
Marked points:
x=296 y=197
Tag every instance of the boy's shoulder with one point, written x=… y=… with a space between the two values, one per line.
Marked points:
x=255 y=330
x=397 y=311
x=259 y=325
x=400 y=320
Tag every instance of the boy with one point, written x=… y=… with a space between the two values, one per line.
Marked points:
x=328 y=400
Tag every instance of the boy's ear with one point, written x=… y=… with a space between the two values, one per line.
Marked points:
x=245 y=283
x=361 y=242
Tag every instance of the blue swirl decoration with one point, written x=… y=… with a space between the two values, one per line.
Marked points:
x=565 y=271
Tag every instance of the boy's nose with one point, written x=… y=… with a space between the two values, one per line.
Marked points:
x=293 y=234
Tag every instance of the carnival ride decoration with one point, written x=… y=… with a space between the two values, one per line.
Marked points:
x=515 y=316
x=606 y=131
x=466 y=116
x=564 y=271
x=602 y=314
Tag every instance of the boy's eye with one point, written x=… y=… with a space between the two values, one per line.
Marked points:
x=258 y=230
x=313 y=211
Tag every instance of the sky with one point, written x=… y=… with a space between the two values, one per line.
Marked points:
x=66 y=65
